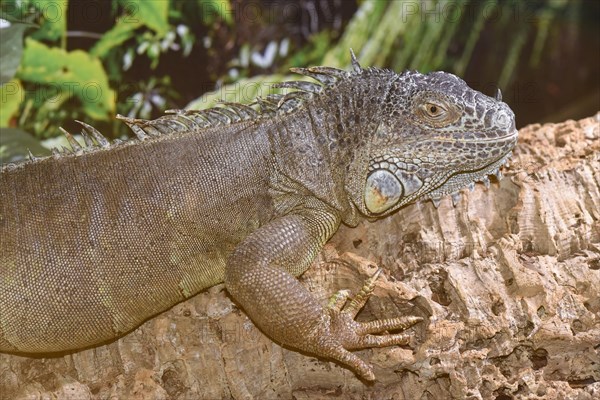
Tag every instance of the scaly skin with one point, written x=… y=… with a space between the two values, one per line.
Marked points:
x=96 y=242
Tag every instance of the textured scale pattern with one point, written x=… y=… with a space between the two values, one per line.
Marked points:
x=100 y=237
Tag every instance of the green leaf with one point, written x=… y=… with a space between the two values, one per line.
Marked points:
x=220 y=7
x=74 y=73
x=11 y=48
x=53 y=19
x=151 y=13
x=121 y=32
x=11 y=96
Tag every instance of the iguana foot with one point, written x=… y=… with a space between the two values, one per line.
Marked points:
x=339 y=332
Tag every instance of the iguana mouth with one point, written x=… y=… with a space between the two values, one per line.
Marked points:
x=504 y=138
x=500 y=139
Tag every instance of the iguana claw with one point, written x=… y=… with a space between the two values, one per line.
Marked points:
x=343 y=333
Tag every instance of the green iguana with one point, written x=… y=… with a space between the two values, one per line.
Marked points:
x=98 y=238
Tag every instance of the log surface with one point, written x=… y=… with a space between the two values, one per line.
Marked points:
x=508 y=279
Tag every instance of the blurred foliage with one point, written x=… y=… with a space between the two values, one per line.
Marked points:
x=44 y=85
x=168 y=49
x=15 y=141
x=11 y=49
x=67 y=74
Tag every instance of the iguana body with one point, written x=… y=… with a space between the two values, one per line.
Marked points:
x=96 y=242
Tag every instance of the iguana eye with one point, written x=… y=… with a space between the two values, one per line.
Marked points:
x=434 y=110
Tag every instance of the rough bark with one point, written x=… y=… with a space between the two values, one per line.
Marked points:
x=509 y=280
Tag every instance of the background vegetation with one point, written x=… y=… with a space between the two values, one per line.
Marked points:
x=88 y=60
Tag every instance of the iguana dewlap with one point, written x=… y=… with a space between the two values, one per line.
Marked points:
x=98 y=239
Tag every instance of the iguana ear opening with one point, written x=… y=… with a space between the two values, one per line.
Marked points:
x=382 y=191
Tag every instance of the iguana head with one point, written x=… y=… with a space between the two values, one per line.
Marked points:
x=435 y=136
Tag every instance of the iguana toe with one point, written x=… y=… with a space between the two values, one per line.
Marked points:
x=339 y=332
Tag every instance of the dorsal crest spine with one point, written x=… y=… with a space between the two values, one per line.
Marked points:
x=226 y=113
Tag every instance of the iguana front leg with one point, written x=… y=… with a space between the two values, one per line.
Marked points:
x=259 y=275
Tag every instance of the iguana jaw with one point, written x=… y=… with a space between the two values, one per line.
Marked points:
x=467 y=179
x=393 y=182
